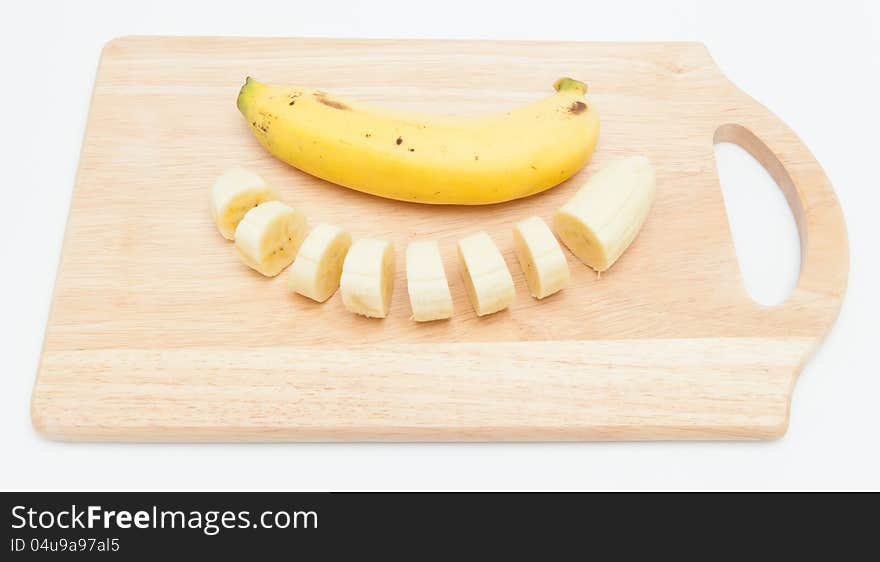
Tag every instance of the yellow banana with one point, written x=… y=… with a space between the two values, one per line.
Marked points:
x=426 y=158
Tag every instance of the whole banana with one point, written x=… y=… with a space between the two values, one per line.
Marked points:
x=426 y=158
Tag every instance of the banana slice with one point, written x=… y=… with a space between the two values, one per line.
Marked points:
x=486 y=277
x=368 y=278
x=315 y=272
x=540 y=257
x=235 y=193
x=605 y=215
x=268 y=237
x=426 y=282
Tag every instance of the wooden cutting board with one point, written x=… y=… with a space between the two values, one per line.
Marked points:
x=158 y=333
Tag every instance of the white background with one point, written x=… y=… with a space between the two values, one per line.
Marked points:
x=813 y=63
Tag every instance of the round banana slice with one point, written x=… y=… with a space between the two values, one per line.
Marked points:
x=485 y=274
x=315 y=272
x=426 y=282
x=606 y=214
x=368 y=278
x=540 y=257
x=235 y=193
x=268 y=237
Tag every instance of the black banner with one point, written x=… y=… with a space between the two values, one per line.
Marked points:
x=126 y=526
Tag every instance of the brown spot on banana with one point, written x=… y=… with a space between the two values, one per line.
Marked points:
x=322 y=97
x=577 y=107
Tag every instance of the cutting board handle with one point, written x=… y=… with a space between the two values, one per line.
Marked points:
x=824 y=247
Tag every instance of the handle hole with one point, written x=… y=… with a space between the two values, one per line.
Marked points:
x=763 y=224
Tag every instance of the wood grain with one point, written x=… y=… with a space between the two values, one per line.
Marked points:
x=158 y=333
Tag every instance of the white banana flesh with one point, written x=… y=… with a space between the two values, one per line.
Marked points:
x=235 y=193
x=603 y=218
x=368 y=278
x=540 y=257
x=426 y=282
x=484 y=272
x=318 y=266
x=268 y=237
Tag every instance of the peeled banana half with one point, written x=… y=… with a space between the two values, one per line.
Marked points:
x=426 y=158
x=603 y=218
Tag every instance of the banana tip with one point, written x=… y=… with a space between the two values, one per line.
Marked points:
x=242 y=100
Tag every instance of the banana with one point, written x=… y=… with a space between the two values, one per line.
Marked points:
x=368 y=278
x=485 y=275
x=426 y=283
x=540 y=257
x=234 y=193
x=464 y=160
x=606 y=214
x=268 y=237
x=315 y=272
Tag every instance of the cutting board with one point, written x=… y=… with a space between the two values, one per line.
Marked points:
x=158 y=333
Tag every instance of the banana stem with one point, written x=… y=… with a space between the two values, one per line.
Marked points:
x=566 y=84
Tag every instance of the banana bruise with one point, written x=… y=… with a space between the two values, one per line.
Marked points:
x=603 y=218
x=425 y=158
